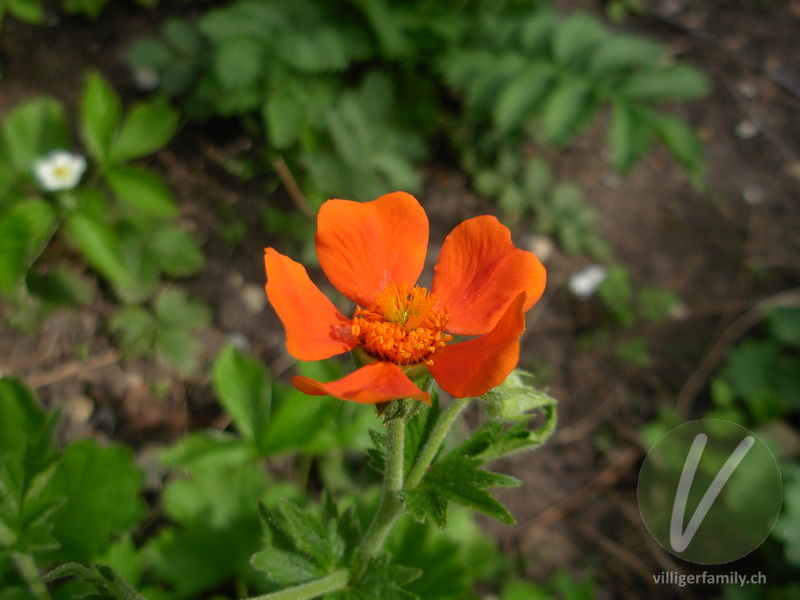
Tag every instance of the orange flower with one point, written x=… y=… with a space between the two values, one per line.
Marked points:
x=373 y=253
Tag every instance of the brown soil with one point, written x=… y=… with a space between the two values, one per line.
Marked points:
x=722 y=251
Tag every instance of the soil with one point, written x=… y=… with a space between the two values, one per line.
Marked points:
x=723 y=251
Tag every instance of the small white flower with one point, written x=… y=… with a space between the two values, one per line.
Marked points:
x=59 y=170
x=585 y=282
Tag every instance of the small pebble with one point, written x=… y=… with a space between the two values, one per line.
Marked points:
x=254 y=298
x=746 y=129
x=79 y=408
x=542 y=246
x=239 y=341
x=585 y=282
x=753 y=195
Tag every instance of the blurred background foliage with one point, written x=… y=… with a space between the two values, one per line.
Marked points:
x=341 y=98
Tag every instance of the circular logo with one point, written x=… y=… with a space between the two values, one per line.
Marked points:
x=710 y=491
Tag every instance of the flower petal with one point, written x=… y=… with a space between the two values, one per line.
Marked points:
x=376 y=382
x=474 y=367
x=364 y=246
x=479 y=273
x=315 y=328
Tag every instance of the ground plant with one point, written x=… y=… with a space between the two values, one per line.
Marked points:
x=380 y=420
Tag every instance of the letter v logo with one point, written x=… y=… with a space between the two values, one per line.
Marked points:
x=680 y=540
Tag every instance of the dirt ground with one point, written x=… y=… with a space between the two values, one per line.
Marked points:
x=723 y=251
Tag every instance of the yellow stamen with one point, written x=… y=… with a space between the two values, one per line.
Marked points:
x=402 y=325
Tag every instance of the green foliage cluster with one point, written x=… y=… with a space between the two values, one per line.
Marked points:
x=351 y=93
x=758 y=386
x=33 y=11
x=223 y=518
x=121 y=219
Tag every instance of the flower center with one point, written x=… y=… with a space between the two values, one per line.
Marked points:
x=62 y=172
x=401 y=325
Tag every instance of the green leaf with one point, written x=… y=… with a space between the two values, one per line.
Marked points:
x=100 y=245
x=564 y=108
x=458 y=478
x=239 y=62
x=101 y=112
x=629 y=136
x=325 y=50
x=384 y=580
x=524 y=590
x=136 y=329
x=683 y=144
x=286 y=568
x=142 y=190
x=107 y=582
x=675 y=82
x=576 y=37
x=14 y=242
x=243 y=388
x=206 y=449
x=60 y=287
x=621 y=52
x=284 y=119
x=102 y=486
x=174 y=307
x=518 y=100
x=217 y=528
x=41 y=220
x=32 y=130
x=30 y=11
x=175 y=251
x=178 y=347
x=145 y=129
x=784 y=325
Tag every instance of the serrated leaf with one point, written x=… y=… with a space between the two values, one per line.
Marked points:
x=675 y=82
x=243 y=387
x=142 y=190
x=307 y=533
x=518 y=100
x=384 y=580
x=101 y=112
x=564 y=107
x=145 y=129
x=102 y=486
x=287 y=568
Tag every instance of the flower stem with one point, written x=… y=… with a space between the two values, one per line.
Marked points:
x=330 y=583
x=431 y=447
x=390 y=505
x=30 y=573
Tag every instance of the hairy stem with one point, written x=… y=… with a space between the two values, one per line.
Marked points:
x=305 y=591
x=390 y=505
x=431 y=447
